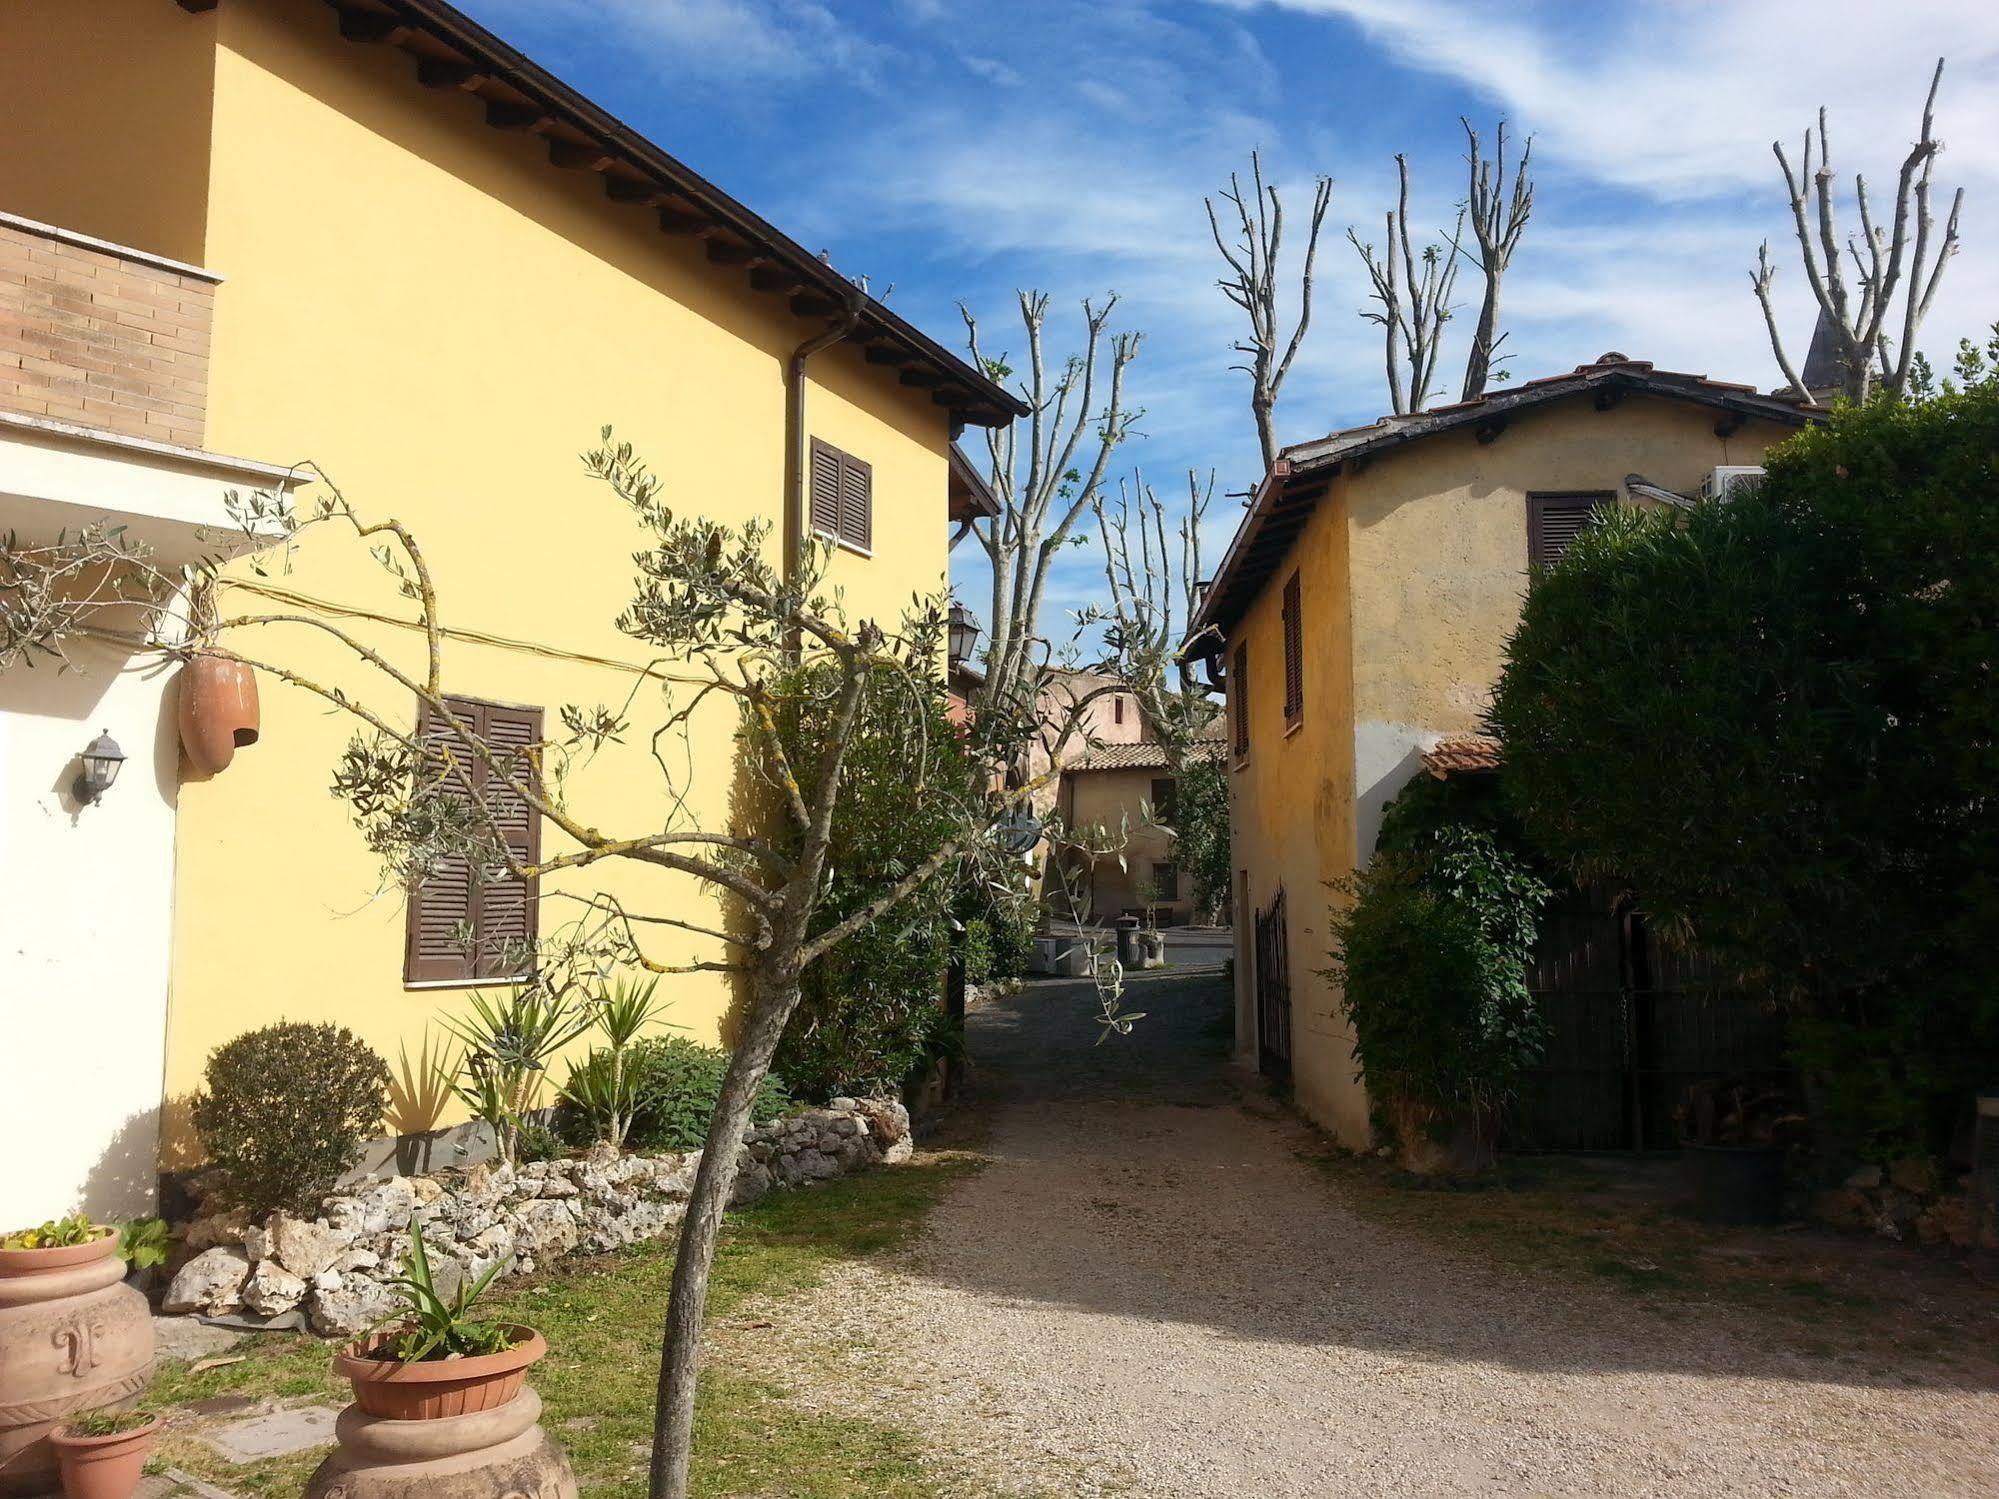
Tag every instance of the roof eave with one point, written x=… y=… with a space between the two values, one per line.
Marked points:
x=452 y=51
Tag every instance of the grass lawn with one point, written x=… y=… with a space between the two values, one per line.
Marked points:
x=1622 y=1223
x=601 y=1317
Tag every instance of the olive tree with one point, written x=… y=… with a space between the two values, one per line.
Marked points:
x=720 y=621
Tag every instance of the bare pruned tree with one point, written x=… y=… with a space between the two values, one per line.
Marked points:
x=1154 y=587
x=1415 y=304
x=1498 y=219
x=1043 y=494
x=1251 y=283
x=1873 y=321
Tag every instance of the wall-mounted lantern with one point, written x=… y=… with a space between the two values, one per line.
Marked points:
x=964 y=629
x=101 y=763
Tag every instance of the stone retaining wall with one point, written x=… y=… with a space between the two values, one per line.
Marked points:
x=332 y=1267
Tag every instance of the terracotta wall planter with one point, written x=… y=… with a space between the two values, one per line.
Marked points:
x=491 y=1454
x=103 y=1467
x=73 y=1336
x=445 y=1387
x=217 y=711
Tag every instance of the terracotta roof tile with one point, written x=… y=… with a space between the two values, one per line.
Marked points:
x=1471 y=754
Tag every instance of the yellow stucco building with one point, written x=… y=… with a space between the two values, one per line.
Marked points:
x=1360 y=615
x=437 y=272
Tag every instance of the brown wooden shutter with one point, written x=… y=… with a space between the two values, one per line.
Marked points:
x=467 y=925
x=1294 y=654
x=1556 y=520
x=857 y=502
x=825 y=488
x=509 y=913
x=1239 y=695
x=442 y=919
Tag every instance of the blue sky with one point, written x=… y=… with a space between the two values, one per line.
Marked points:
x=959 y=149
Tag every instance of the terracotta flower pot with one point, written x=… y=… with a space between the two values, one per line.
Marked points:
x=436 y=1388
x=217 y=711
x=103 y=1467
x=73 y=1336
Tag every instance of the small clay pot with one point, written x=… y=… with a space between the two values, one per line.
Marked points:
x=217 y=711
x=433 y=1389
x=103 y=1467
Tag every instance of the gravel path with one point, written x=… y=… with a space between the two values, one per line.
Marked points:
x=1148 y=1291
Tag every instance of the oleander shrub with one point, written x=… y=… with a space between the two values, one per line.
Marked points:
x=286 y=1109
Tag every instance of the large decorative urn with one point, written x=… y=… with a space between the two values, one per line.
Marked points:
x=499 y=1453
x=218 y=712
x=73 y=1336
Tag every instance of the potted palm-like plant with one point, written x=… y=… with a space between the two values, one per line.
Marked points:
x=433 y=1358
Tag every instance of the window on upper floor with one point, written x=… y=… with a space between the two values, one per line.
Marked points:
x=1117 y=710
x=466 y=925
x=1165 y=800
x=1554 y=521
x=842 y=497
x=1294 y=655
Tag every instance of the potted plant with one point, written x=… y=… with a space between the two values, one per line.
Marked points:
x=433 y=1359
x=102 y=1453
x=1734 y=1132
x=73 y=1337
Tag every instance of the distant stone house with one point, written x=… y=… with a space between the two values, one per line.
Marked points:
x=1133 y=786
x=1360 y=618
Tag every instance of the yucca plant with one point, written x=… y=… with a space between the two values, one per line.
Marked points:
x=604 y=1087
x=509 y=1042
x=431 y=1327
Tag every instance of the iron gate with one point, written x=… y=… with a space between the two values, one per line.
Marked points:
x=1632 y=1021
x=1273 y=991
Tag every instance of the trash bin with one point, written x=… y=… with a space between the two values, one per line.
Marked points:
x=1130 y=951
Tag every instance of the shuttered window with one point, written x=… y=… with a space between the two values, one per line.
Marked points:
x=1294 y=655
x=1166 y=801
x=467 y=925
x=1165 y=881
x=1555 y=520
x=842 y=494
x=1239 y=698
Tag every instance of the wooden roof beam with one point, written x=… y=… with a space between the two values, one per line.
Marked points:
x=197 y=7
x=922 y=379
x=447 y=72
x=770 y=276
x=811 y=304
x=505 y=114
x=371 y=26
x=586 y=156
x=889 y=354
x=633 y=190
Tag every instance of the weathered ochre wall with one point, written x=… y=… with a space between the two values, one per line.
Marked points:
x=107 y=120
x=1412 y=573
x=1291 y=811
x=1440 y=558
x=442 y=321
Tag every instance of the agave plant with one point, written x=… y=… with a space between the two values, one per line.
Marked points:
x=429 y=1326
x=509 y=1042
x=604 y=1087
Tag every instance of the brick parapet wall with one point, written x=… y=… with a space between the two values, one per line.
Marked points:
x=103 y=336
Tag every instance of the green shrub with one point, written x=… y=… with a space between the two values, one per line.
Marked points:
x=1775 y=718
x=1431 y=954
x=286 y=1109
x=975 y=944
x=675 y=1083
x=870 y=1013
